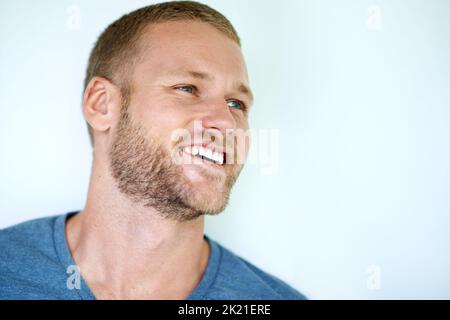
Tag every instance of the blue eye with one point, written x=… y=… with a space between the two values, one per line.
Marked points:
x=236 y=104
x=188 y=89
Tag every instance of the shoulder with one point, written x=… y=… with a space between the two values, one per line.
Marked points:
x=27 y=258
x=237 y=278
x=27 y=237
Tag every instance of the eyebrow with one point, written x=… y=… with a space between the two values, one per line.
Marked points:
x=242 y=88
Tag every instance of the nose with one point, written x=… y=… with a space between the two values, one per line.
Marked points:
x=218 y=116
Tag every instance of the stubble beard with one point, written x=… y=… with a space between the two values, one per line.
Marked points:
x=145 y=172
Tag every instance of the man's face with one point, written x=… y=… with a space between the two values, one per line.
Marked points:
x=192 y=78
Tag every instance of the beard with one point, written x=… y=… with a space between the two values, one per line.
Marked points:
x=145 y=172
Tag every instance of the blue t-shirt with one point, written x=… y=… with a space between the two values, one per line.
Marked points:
x=35 y=263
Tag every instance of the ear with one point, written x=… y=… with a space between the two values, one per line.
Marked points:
x=101 y=104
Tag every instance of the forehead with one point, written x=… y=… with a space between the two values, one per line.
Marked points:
x=171 y=46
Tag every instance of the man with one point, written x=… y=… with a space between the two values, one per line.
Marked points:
x=157 y=78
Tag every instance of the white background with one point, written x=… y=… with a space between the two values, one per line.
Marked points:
x=359 y=93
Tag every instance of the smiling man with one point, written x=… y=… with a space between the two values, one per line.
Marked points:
x=158 y=79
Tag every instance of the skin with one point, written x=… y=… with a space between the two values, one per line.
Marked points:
x=140 y=235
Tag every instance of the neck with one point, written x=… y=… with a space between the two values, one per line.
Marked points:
x=125 y=250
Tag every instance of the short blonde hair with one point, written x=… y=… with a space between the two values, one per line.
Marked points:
x=117 y=48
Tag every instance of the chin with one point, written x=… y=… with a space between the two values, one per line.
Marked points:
x=205 y=190
x=208 y=200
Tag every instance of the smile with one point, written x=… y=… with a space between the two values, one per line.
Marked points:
x=207 y=154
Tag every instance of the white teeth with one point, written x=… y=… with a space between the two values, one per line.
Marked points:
x=205 y=152
x=218 y=157
x=209 y=154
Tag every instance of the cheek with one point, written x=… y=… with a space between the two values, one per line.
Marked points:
x=243 y=125
x=160 y=119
